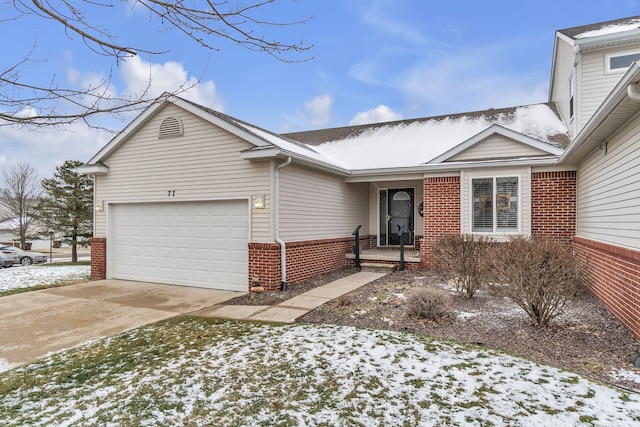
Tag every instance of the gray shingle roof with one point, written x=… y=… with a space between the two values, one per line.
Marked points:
x=573 y=32
x=321 y=136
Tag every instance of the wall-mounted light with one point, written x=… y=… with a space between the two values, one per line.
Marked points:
x=604 y=147
x=99 y=206
x=258 y=202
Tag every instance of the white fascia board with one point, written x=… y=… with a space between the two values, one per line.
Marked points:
x=366 y=175
x=569 y=41
x=607 y=40
x=276 y=152
x=122 y=136
x=583 y=144
x=154 y=108
x=93 y=169
x=260 y=153
x=235 y=129
x=500 y=130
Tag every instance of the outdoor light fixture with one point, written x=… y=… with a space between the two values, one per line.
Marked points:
x=258 y=202
x=100 y=206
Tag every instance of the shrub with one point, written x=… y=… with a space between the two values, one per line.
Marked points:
x=428 y=303
x=539 y=275
x=460 y=258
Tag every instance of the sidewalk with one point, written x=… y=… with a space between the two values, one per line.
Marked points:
x=288 y=311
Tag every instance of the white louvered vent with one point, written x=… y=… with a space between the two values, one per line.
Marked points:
x=171 y=126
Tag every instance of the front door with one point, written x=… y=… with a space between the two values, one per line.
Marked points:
x=396 y=210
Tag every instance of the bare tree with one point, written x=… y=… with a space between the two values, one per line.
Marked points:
x=19 y=195
x=205 y=23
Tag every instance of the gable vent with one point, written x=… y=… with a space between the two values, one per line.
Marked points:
x=171 y=126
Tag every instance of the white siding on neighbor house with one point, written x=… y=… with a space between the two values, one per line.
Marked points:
x=524 y=179
x=497 y=147
x=563 y=70
x=203 y=164
x=374 y=206
x=316 y=205
x=608 y=207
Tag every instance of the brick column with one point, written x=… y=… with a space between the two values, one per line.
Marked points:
x=98 y=258
x=553 y=205
x=441 y=213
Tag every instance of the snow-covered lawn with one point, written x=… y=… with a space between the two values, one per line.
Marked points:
x=197 y=372
x=36 y=275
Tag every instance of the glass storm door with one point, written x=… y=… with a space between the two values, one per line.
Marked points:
x=396 y=210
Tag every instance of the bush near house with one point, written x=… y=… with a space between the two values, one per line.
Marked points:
x=540 y=275
x=460 y=258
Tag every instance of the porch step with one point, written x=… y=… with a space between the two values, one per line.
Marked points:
x=377 y=267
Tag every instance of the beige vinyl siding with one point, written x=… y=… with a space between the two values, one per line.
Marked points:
x=608 y=184
x=315 y=205
x=497 y=147
x=524 y=196
x=204 y=164
x=563 y=70
x=374 y=206
x=596 y=84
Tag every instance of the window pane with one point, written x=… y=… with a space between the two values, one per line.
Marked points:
x=507 y=204
x=482 y=190
x=616 y=62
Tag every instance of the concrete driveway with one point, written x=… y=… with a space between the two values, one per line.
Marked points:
x=33 y=324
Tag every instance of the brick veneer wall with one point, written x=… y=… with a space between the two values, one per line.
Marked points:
x=441 y=213
x=305 y=259
x=98 y=258
x=615 y=279
x=553 y=205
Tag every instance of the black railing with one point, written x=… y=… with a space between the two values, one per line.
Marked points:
x=401 y=237
x=356 y=248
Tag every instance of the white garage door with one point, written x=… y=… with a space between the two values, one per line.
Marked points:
x=192 y=244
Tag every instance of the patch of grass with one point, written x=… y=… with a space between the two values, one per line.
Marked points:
x=59 y=264
x=40 y=287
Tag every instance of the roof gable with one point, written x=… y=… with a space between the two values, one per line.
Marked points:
x=497 y=142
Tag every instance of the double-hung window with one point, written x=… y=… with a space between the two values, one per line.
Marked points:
x=495 y=205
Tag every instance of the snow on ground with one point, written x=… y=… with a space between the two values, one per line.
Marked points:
x=236 y=373
x=35 y=275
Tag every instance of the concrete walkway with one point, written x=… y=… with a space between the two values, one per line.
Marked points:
x=34 y=324
x=288 y=311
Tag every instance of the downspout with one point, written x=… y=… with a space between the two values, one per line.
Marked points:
x=283 y=249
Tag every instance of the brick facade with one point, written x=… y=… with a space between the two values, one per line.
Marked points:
x=304 y=259
x=441 y=213
x=553 y=205
x=615 y=279
x=98 y=258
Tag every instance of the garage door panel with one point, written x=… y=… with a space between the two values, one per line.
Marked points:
x=195 y=244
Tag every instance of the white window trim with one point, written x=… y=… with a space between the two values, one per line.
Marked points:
x=607 y=61
x=524 y=195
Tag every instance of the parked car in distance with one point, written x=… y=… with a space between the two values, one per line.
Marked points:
x=6 y=261
x=23 y=257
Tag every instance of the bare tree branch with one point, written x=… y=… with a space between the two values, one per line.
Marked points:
x=205 y=22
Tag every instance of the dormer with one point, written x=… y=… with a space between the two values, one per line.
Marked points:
x=588 y=61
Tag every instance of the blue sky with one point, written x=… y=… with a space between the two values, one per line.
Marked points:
x=373 y=60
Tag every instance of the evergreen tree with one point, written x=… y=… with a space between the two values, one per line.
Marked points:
x=67 y=205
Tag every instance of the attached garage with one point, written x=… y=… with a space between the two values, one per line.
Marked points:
x=202 y=244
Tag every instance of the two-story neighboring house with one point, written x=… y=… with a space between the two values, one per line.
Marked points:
x=190 y=196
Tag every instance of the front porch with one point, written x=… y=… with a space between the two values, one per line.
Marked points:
x=388 y=258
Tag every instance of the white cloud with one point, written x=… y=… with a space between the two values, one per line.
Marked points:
x=381 y=113
x=47 y=148
x=318 y=109
x=171 y=76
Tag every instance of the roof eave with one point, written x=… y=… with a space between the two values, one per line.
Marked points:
x=94 y=169
x=273 y=152
x=607 y=40
x=410 y=172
